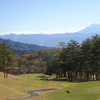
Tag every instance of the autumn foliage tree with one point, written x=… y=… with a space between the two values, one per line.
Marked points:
x=74 y=61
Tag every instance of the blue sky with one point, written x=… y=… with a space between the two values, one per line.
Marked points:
x=33 y=16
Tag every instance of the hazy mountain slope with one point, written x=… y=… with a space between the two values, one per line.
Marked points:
x=20 y=51
x=48 y=40
x=54 y=39
x=23 y=48
x=94 y=28
x=23 y=45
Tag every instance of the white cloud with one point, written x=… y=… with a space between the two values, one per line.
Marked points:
x=30 y=32
x=42 y=32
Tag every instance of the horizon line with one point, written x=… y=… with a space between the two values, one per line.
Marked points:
x=41 y=32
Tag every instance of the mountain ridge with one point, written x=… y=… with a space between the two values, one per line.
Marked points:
x=23 y=48
x=93 y=28
x=53 y=39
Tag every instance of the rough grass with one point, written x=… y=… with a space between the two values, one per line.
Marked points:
x=15 y=86
x=82 y=91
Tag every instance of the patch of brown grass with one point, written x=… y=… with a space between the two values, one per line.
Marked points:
x=15 y=86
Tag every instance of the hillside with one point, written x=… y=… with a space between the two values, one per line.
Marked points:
x=20 y=51
x=17 y=87
x=94 y=28
x=23 y=48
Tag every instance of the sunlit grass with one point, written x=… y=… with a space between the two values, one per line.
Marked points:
x=15 y=86
x=82 y=91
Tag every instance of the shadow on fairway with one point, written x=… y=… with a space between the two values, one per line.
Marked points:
x=42 y=77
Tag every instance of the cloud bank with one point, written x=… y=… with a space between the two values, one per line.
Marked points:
x=30 y=32
x=43 y=32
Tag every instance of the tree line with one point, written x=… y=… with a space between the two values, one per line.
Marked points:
x=74 y=61
x=78 y=61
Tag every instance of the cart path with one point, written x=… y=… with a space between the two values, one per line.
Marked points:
x=32 y=94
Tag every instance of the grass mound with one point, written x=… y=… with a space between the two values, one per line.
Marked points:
x=82 y=91
x=8 y=87
x=16 y=86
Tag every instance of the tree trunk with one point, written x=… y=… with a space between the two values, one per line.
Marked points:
x=80 y=76
x=64 y=73
x=93 y=76
x=59 y=74
x=71 y=76
x=84 y=76
x=96 y=76
x=4 y=73
x=56 y=75
x=87 y=76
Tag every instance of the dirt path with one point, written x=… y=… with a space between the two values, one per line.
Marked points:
x=32 y=94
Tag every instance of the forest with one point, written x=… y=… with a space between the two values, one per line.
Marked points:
x=72 y=60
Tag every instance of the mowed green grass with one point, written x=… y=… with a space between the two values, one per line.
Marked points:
x=34 y=76
x=81 y=91
x=16 y=86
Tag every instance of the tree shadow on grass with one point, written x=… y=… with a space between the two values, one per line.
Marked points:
x=47 y=79
x=58 y=79
x=42 y=77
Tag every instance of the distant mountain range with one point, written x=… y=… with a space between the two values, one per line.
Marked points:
x=54 y=39
x=23 y=48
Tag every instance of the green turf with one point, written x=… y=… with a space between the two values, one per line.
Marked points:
x=82 y=91
x=34 y=76
x=16 y=86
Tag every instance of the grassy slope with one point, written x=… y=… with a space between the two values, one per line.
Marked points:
x=16 y=86
x=83 y=91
